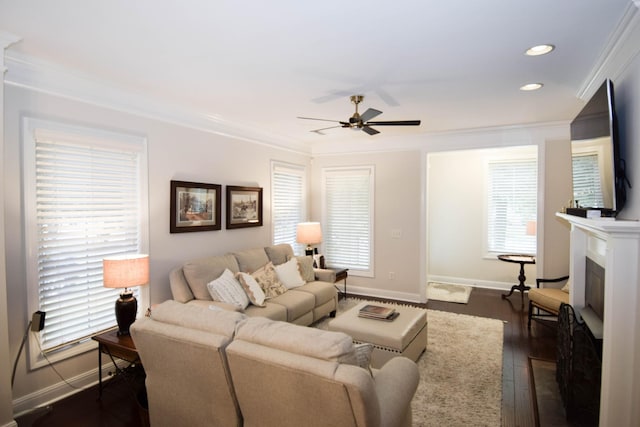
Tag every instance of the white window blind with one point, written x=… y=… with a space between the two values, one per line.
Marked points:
x=84 y=202
x=348 y=218
x=288 y=203
x=587 y=188
x=512 y=203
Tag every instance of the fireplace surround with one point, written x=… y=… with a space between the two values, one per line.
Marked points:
x=614 y=244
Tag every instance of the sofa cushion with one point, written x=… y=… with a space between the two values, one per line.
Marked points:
x=270 y=311
x=322 y=291
x=227 y=289
x=279 y=254
x=251 y=288
x=289 y=274
x=268 y=280
x=305 y=264
x=313 y=342
x=296 y=303
x=221 y=322
x=549 y=298
x=202 y=271
x=251 y=259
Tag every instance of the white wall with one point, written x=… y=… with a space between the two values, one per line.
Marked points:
x=174 y=153
x=398 y=206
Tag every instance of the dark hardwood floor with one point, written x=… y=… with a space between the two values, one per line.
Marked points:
x=119 y=407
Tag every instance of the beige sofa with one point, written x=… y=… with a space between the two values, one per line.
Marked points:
x=221 y=368
x=303 y=305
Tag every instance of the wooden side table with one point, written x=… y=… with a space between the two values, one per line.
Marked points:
x=341 y=274
x=522 y=260
x=117 y=347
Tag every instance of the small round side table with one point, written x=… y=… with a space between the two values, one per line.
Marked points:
x=522 y=260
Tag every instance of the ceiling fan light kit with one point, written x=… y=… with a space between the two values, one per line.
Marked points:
x=362 y=121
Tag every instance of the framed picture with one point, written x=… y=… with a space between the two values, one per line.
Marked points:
x=244 y=207
x=195 y=207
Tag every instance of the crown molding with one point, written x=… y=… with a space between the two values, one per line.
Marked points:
x=465 y=139
x=620 y=50
x=34 y=74
x=6 y=40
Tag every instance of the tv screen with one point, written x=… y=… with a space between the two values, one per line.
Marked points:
x=598 y=171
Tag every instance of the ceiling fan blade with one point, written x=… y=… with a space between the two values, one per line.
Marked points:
x=369 y=114
x=319 y=131
x=322 y=120
x=370 y=131
x=395 y=123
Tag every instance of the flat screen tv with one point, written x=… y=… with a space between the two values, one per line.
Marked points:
x=598 y=170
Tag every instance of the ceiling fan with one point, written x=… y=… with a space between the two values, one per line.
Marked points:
x=362 y=121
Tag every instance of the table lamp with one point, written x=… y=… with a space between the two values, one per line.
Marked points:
x=125 y=272
x=309 y=233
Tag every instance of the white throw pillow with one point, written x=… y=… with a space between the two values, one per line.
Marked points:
x=252 y=289
x=227 y=289
x=289 y=274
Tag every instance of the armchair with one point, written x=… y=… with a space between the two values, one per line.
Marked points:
x=547 y=300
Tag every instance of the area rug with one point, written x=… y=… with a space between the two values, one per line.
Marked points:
x=460 y=371
x=549 y=411
x=448 y=292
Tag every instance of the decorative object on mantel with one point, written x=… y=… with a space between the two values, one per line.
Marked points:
x=309 y=233
x=195 y=207
x=125 y=272
x=244 y=207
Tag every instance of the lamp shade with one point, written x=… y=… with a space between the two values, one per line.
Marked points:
x=125 y=271
x=309 y=233
x=531 y=228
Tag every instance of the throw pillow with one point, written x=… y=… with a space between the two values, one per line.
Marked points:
x=305 y=264
x=268 y=280
x=289 y=275
x=363 y=355
x=252 y=289
x=227 y=289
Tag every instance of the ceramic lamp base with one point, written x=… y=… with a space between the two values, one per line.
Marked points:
x=126 y=310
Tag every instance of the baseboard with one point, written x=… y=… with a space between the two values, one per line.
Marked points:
x=486 y=284
x=61 y=390
x=416 y=297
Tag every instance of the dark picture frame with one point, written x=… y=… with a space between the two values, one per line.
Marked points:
x=195 y=206
x=244 y=207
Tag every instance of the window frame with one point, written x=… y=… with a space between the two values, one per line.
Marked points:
x=293 y=169
x=370 y=170
x=515 y=157
x=94 y=137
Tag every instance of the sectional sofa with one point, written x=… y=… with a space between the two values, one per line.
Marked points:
x=211 y=367
x=302 y=305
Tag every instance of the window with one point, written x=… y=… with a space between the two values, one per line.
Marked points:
x=587 y=189
x=85 y=199
x=347 y=220
x=287 y=203
x=512 y=205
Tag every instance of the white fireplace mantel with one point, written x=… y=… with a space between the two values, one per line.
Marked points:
x=616 y=246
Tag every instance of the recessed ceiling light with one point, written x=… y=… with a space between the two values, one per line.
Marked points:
x=541 y=49
x=531 y=86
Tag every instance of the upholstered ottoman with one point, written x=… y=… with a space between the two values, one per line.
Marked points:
x=406 y=335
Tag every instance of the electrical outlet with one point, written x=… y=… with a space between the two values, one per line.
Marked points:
x=37 y=321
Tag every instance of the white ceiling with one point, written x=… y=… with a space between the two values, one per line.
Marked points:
x=454 y=65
